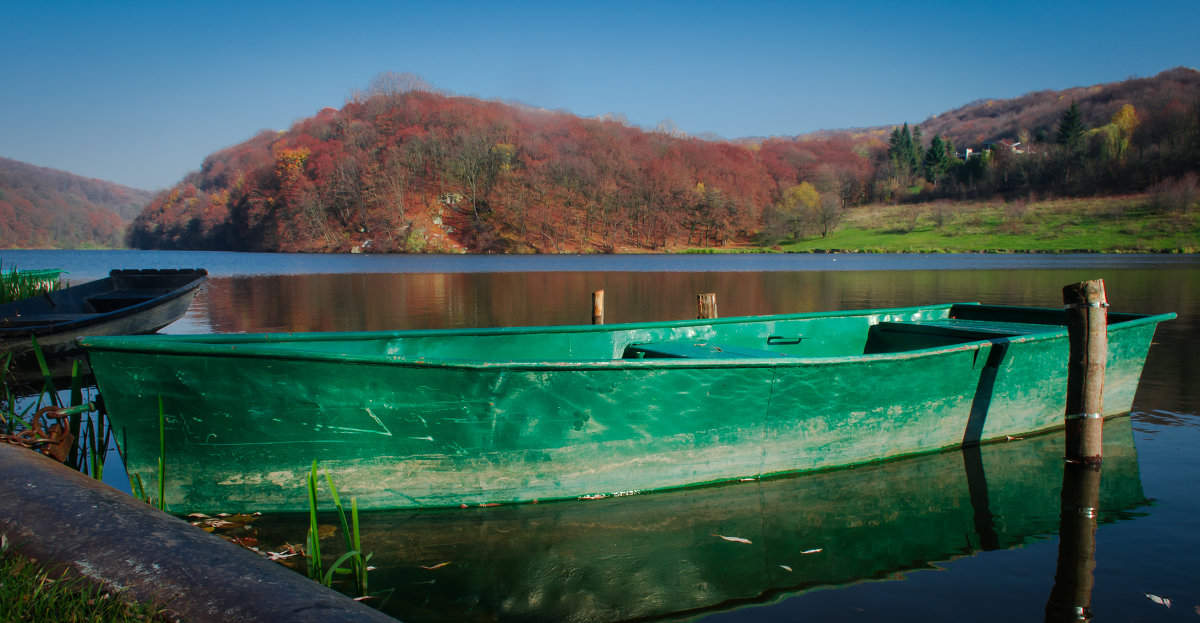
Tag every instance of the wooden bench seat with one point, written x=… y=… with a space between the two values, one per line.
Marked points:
x=978 y=329
x=696 y=350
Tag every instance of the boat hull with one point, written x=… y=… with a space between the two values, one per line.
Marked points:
x=656 y=556
x=245 y=420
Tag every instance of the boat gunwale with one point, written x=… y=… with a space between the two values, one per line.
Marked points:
x=263 y=345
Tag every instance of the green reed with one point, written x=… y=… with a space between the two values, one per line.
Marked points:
x=21 y=284
x=358 y=563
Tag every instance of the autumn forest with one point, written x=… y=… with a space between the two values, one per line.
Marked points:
x=402 y=167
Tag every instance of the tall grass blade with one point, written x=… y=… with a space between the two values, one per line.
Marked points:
x=48 y=380
x=74 y=459
x=139 y=490
x=314 y=538
x=327 y=579
x=352 y=538
x=360 y=563
x=162 y=457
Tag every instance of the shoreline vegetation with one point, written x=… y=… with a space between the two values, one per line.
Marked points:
x=1124 y=224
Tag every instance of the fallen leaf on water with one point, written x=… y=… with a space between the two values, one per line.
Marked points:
x=734 y=539
x=437 y=566
x=812 y=551
x=786 y=568
x=1163 y=601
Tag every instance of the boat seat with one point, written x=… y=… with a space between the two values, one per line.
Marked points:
x=118 y=299
x=696 y=350
x=974 y=329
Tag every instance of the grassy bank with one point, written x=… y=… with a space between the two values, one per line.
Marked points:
x=32 y=592
x=1100 y=225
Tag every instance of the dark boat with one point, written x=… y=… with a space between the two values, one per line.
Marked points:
x=127 y=302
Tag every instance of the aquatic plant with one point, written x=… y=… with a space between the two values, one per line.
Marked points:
x=21 y=284
x=358 y=563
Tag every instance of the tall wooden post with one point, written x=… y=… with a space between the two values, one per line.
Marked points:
x=1087 y=327
x=598 y=307
x=706 y=306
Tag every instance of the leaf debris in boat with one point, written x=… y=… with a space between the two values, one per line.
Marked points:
x=437 y=566
x=1162 y=601
x=734 y=539
x=786 y=568
x=812 y=551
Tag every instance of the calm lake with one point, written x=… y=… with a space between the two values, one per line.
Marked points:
x=968 y=534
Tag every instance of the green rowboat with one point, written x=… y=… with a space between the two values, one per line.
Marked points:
x=440 y=418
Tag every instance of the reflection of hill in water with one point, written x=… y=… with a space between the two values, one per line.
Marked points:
x=659 y=555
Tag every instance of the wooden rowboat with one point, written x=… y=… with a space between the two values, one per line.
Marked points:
x=124 y=303
x=450 y=417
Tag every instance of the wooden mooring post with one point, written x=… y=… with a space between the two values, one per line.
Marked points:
x=1087 y=327
x=706 y=306
x=598 y=307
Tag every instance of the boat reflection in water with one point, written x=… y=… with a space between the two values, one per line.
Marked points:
x=685 y=552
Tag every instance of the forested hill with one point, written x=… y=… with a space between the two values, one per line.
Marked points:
x=405 y=168
x=48 y=208
x=1029 y=118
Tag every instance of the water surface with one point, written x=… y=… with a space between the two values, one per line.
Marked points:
x=991 y=557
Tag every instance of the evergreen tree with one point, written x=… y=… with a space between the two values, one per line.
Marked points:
x=1070 y=127
x=939 y=159
x=904 y=151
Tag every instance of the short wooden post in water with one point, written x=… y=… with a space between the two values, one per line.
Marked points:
x=706 y=306
x=598 y=307
x=1087 y=327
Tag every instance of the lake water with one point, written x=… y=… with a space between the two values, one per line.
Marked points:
x=961 y=535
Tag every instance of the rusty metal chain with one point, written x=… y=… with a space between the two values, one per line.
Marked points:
x=54 y=441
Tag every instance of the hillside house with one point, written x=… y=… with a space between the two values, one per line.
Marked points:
x=1006 y=145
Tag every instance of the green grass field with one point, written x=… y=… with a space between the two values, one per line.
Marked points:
x=1102 y=225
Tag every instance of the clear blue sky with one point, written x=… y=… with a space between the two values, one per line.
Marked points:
x=140 y=92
